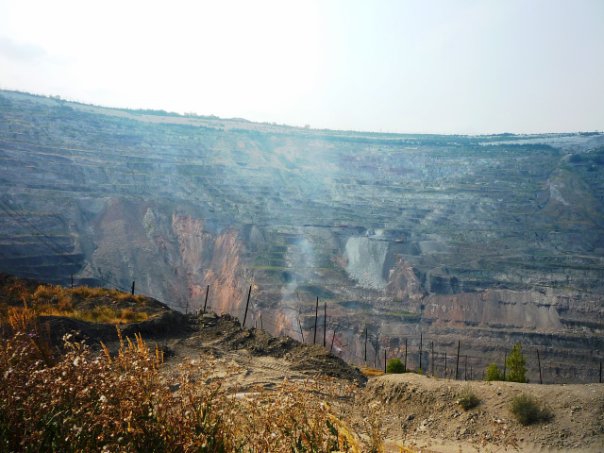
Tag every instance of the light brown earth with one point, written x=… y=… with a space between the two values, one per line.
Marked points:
x=424 y=413
x=417 y=412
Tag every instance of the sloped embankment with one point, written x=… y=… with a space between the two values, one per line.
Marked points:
x=425 y=412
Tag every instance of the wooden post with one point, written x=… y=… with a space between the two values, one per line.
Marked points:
x=132 y=291
x=457 y=361
x=421 y=341
x=505 y=361
x=365 y=345
x=314 y=340
x=333 y=338
x=261 y=326
x=301 y=331
x=405 y=354
x=247 y=304
x=205 y=304
x=600 y=371
x=471 y=373
x=72 y=280
x=385 y=359
x=325 y=325
x=539 y=363
x=465 y=368
x=432 y=357
x=445 y=375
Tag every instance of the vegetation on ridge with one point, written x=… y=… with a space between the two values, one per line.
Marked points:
x=395 y=366
x=515 y=368
x=99 y=305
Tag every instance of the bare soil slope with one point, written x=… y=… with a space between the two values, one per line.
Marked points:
x=408 y=410
x=424 y=412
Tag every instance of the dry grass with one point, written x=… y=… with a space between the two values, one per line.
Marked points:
x=97 y=305
x=371 y=372
x=100 y=314
x=119 y=402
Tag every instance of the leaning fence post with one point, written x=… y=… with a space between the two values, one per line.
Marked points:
x=205 y=304
x=333 y=338
x=325 y=324
x=365 y=345
x=301 y=331
x=539 y=363
x=432 y=357
x=505 y=362
x=465 y=368
x=421 y=344
x=247 y=304
x=314 y=340
x=457 y=361
x=132 y=291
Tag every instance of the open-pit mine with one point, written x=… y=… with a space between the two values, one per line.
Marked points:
x=409 y=242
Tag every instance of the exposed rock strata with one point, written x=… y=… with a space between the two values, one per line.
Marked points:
x=487 y=240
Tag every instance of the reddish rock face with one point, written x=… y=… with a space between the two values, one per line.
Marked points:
x=403 y=284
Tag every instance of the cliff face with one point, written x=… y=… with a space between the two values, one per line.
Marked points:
x=484 y=240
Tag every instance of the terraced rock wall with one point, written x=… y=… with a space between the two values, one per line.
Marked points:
x=486 y=240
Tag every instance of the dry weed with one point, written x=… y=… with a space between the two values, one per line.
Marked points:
x=119 y=402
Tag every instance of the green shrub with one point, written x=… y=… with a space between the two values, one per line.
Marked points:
x=515 y=364
x=528 y=410
x=395 y=366
x=467 y=398
x=493 y=373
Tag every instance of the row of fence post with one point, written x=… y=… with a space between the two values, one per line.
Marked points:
x=366 y=336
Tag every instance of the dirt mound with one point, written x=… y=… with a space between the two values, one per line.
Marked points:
x=427 y=411
x=225 y=332
x=313 y=357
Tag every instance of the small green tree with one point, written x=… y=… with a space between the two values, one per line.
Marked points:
x=516 y=365
x=395 y=366
x=493 y=373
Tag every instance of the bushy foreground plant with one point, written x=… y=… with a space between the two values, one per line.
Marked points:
x=395 y=366
x=467 y=399
x=121 y=402
x=528 y=410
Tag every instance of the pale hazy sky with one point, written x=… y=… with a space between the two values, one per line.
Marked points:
x=464 y=66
